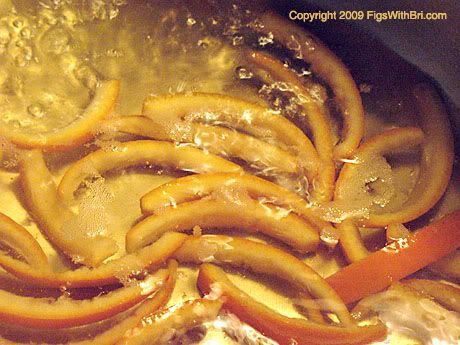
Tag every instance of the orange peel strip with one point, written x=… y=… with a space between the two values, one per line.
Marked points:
x=435 y=164
x=264 y=259
x=217 y=140
x=381 y=144
x=22 y=242
x=283 y=329
x=263 y=123
x=166 y=325
x=76 y=133
x=351 y=241
x=190 y=188
x=148 y=258
x=149 y=306
x=207 y=213
x=329 y=68
x=43 y=201
x=317 y=119
x=446 y=295
x=40 y=313
x=141 y=152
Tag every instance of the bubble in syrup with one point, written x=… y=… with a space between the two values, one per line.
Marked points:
x=264 y=40
x=191 y=21
x=36 y=110
x=55 y=41
x=25 y=33
x=17 y=23
x=243 y=73
x=87 y=77
x=237 y=40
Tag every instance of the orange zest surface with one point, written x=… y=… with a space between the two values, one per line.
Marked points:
x=284 y=330
x=380 y=269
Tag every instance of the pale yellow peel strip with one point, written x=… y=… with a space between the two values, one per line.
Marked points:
x=245 y=215
x=165 y=326
x=138 y=153
x=217 y=140
x=195 y=187
x=329 y=68
x=146 y=259
x=63 y=313
x=19 y=239
x=264 y=259
x=314 y=112
x=44 y=203
x=76 y=133
x=118 y=331
x=214 y=109
x=351 y=241
x=382 y=144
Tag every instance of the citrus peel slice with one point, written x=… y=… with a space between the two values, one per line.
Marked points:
x=389 y=141
x=242 y=214
x=43 y=201
x=137 y=153
x=328 y=67
x=134 y=319
x=76 y=133
x=283 y=329
x=264 y=259
x=315 y=116
x=169 y=323
x=63 y=313
x=146 y=259
x=190 y=188
x=351 y=241
x=142 y=312
x=22 y=242
x=176 y=111
x=217 y=140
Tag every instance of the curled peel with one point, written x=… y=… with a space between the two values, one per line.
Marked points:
x=40 y=313
x=382 y=144
x=141 y=152
x=314 y=114
x=264 y=259
x=133 y=320
x=328 y=67
x=247 y=215
x=214 y=139
x=43 y=201
x=253 y=119
x=283 y=329
x=148 y=258
x=22 y=242
x=166 y=325
x=77 y=132
x=195 y=187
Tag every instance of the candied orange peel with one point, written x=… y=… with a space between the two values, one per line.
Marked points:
x=138 y=153
x=217 y=140
x=178 y=110
x=314 y=114
x=263 y=259
x=329 y=68
x=44 y=203
x=76 y=133
x=63 y=313
x=283 y=329
x=243 y=214
x=195 y=187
